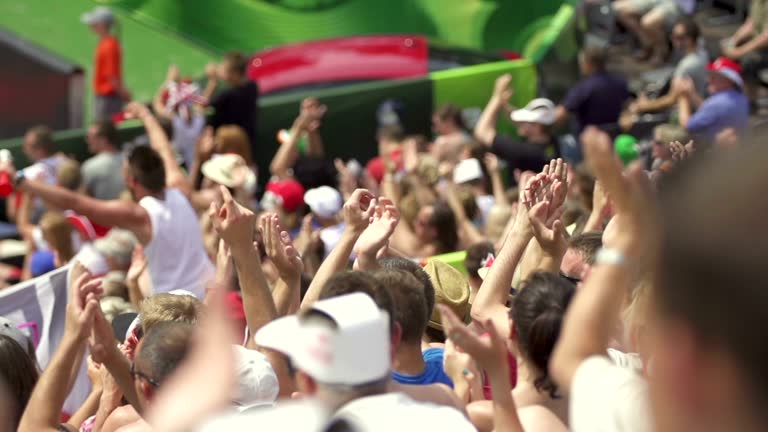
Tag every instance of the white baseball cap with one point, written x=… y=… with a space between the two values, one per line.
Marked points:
x=99 y=14
x=257 y=383
x=324 y=201
x=541 y=111
x=467 y=170
x=353 y=349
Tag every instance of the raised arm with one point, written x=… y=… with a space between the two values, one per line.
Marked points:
x=590 y=321
x=490 y=353
x=117 y=213
x=485 y=130
x=357 y=211
x=491 y=300
x=236 y=225
x=282 y=253
x=497 y=183
x=43 y=410
x=308 y=119
x=157 y=101
x=174 y=176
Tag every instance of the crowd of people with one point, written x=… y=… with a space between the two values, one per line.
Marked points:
x=472 y=280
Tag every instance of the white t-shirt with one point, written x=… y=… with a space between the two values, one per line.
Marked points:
x=398 y=412
x=608 y=398
x=176 y=256
x=186 y=134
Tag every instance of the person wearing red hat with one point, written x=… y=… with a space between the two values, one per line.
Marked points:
x=726 y=107
x=284 y=197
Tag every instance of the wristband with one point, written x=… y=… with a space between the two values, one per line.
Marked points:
x=607 y=256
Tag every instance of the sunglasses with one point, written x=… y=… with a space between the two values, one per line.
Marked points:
x=135 y=373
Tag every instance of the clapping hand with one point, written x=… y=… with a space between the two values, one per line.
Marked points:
x=234 y=223
x=489 y=351
x=84 y=294
x=544 y=199
x=359 y=209
x=382 y=224
x=280 y=249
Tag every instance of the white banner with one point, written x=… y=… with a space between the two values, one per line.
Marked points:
x=39 y=305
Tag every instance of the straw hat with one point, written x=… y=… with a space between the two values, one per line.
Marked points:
x=451 y=290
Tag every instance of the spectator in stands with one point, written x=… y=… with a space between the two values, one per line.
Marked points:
x=451 y=134
x=693 y=64
x=434 y=232
x=535 y=316
x=390 y=141
x=650 y=20
x=238 y=104
x=726 y=107
x=108 y=86
x=180 y=102
x=18 y=375
x=536 y=146
x=39 y=147
x=411 y=365
x=99 y=171
x=161 y=218
x=598 y=98
x=354 y=383
x=749 y=45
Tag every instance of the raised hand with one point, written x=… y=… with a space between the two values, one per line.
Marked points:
x=359 y=209
x=136 y=110
x=489 y=351
x=631 y=194
x=84 y=294
x=280 y=249
x=492 y=162
x=681 y=152
x=173 y=73
x=234 y=223
x=382 y=225
x=501 y=89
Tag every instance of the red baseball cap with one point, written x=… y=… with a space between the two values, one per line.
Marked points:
x=375 y=166
x=289 y=194
x=727 y=68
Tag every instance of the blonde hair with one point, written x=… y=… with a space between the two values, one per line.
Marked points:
x=57 y=232
x=113 y=306
x=233 y=139
x=69 y=175
x=169 y=307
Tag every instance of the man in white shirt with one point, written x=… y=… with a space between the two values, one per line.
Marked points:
x=341 y=351
x=161 y=218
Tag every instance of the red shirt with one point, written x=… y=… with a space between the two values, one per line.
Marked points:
x=107 y=69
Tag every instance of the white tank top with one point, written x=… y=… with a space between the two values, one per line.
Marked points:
x=176 y=256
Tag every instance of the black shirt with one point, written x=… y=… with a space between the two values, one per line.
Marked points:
x=524 y=155
x=238 y=106
x=597 y=99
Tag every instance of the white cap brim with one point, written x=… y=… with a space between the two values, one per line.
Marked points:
x=526 y=116
x=732 y=76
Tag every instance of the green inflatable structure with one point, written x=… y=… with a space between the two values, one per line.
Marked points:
x=191 y=33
